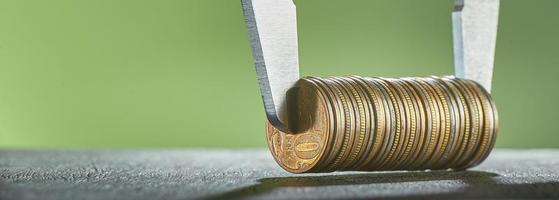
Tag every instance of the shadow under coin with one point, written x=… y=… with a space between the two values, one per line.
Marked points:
x=478 y=184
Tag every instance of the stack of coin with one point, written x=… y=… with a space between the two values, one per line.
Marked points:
x=367 y=124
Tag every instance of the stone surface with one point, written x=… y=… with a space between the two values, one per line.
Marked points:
x=252 y=174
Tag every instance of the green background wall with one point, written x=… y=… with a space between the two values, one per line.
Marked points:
x=179 y=73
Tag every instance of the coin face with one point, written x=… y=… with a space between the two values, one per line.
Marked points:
x=300 y=150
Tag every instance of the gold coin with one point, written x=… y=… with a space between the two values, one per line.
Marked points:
x=364 y=123
x=412 y=118
x=397 y=131
x=463 y=126
x=380 y=109
x=355 y=139
x=299 y=152
x=369 y=127
x=434 y=125
x=476 y=118
x=404 y=130
x=451 y=133
x=420 y=129
x=337 y=121
x=494 y=125
x=349 y=116
x=389 y=129
x=427 y=134
x=487 y=140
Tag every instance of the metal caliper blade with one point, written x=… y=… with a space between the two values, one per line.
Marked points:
x=272 y=27
x=474 y=25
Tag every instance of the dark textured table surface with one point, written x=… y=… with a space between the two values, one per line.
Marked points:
x=248 y=174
